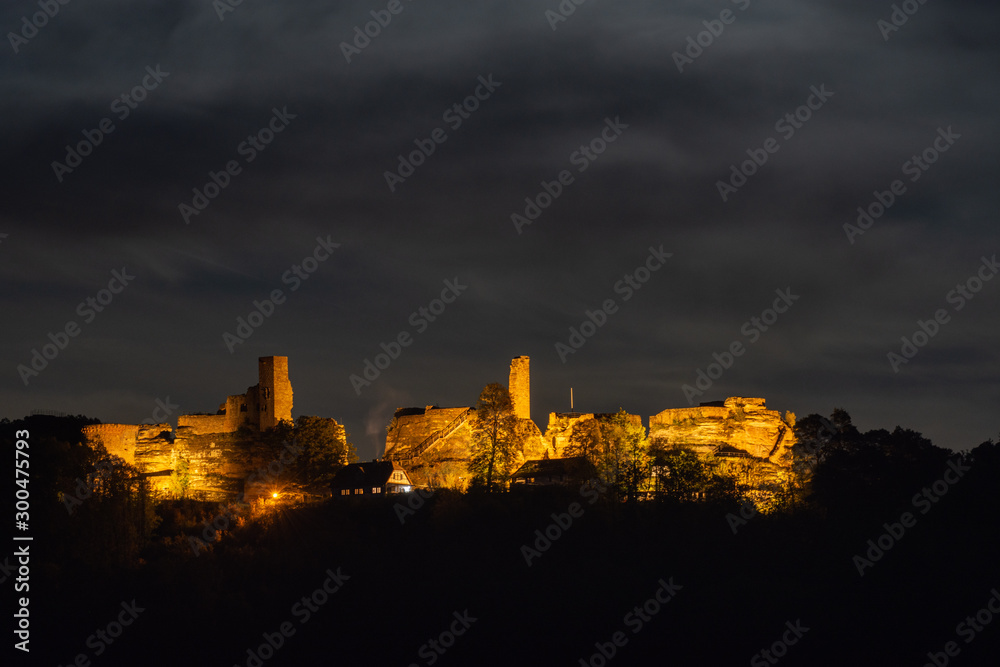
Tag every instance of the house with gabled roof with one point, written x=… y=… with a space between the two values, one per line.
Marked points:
x=546 y=472
x=371 y=478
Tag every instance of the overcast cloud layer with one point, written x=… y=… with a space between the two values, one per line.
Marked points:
x=655 y=185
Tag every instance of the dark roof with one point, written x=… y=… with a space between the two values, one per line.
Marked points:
x=574 y=465
x=405 y=412
x=364 y=475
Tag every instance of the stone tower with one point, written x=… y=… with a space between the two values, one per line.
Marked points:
x=275 y=389
x=520 y=387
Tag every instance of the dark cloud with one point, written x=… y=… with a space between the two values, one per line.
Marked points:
x=323 y=176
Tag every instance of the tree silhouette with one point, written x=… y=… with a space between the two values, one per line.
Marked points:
x=618 y=449
x=497 y=438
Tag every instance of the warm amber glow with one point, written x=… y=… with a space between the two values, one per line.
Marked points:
x=274 y=495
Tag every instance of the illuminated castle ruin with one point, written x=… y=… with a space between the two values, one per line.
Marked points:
x=206 y=442
x=519 y=386
x=434 y=443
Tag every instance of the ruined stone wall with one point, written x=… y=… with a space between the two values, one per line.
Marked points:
x=217 y=463
x=742 y=423
x=559 y=432
x=560 y=429
x=519 y=386
x=409 y=430
x=237 y=412
x=118 y=439
x=252 y=400
x=202 y=424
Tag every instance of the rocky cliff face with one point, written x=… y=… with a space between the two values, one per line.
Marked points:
x=434 y=444
x=216 y=462
x=740 y=425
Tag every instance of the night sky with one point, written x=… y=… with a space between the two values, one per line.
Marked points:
x=597 y=100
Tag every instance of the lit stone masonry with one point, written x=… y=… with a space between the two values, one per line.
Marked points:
x=520 y=387
x=204 y=452
x=434 y=443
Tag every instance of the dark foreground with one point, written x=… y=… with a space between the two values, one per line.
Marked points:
x=396 y=587
x=655 y=583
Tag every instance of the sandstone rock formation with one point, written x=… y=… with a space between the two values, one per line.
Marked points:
x=434 y=443
x=738 y=427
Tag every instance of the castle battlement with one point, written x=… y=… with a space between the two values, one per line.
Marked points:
x=206 y=442
x=118 y=439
